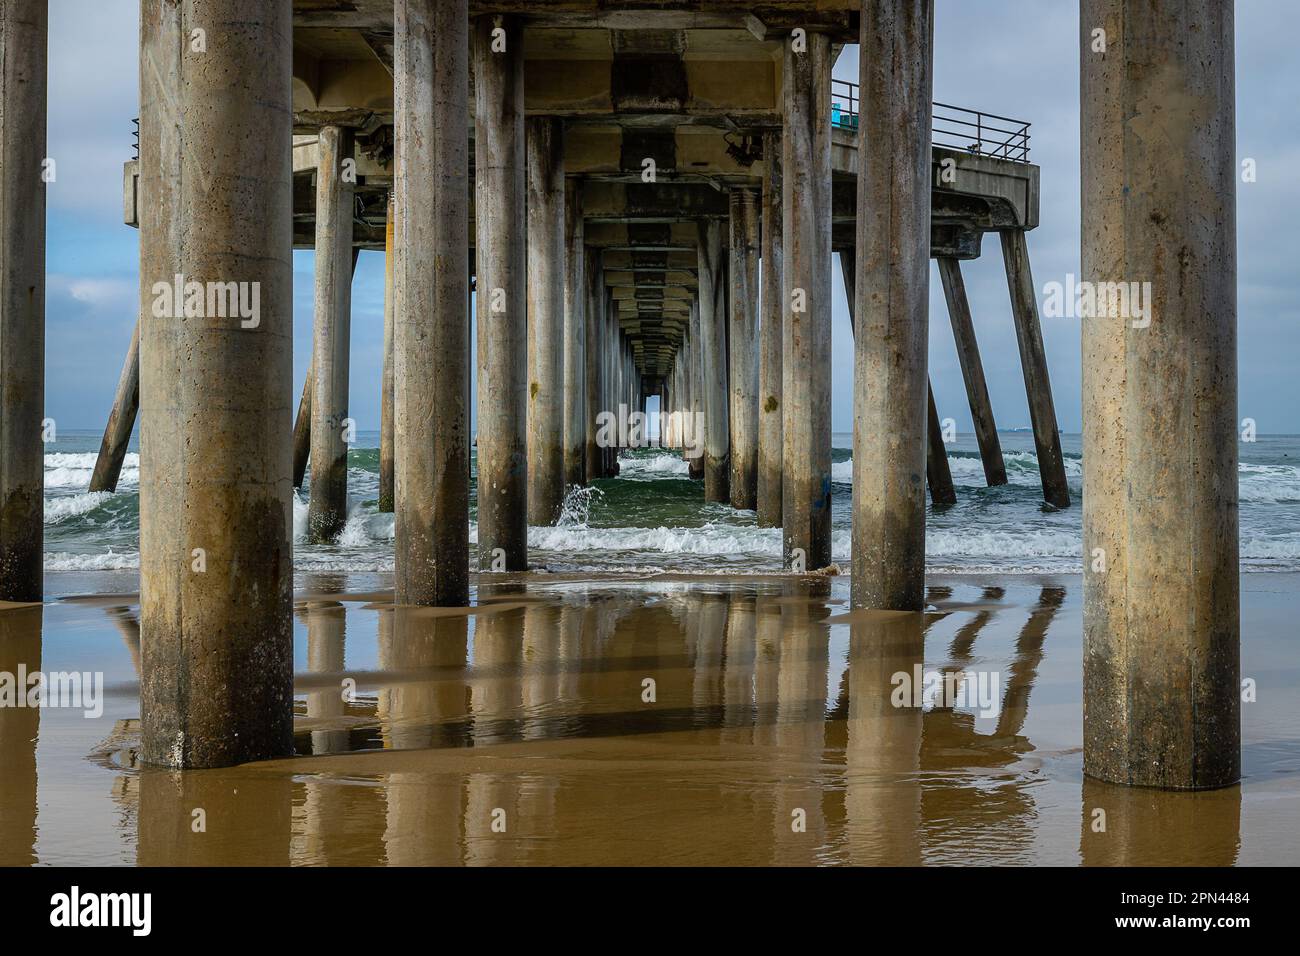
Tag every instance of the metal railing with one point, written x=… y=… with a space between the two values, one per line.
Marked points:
x=952 y=127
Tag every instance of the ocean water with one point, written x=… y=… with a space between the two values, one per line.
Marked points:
x=653 y=517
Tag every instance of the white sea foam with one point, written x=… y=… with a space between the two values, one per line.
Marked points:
x=70 y=506
x=656 y=466
x=73 y=470
x=107 y=561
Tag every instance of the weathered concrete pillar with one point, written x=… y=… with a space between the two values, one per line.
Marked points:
x=742 y=345
x=806 y=305
x=117 y=433
x=770 y=344
x=1160 y=521
x=216 y=526
x=386 y=375
x=24 y=29
x=892 y=294
x=937 y=473
x=302 y=428
x=1033 y=360
x=502 y=299
x=431 y=292
x=575 y=338
x=972 y=372
x=699 y=420
x=547 y=278
x=594 y=324
x=327 y=508
x=713 y=361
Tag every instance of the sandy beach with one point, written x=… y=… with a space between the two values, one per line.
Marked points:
x=641 y=720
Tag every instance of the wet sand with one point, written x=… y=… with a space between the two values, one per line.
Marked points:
x=661 y=720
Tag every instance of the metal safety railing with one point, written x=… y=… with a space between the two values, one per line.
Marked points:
x=952 y=127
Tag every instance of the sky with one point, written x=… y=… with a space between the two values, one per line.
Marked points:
x=1017 y=58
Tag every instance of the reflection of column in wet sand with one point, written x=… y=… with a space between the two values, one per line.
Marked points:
x=326 y=629
x=496 y=698
x=1024 y=666
x=20 y=648
x=541 y=668
x=423 y=705
x=214 y=818
x=767 y=660
x=738 y=668
x=800 y=730
x=963 y=642
x=128 y=625
x=1145 y=827
x=337 y=822
x=882 y=792
x=709 y=635
x=572 y=626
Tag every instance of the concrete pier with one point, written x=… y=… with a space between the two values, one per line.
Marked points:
x=327 y=508
x=1160 y=519
x=575 y=338
x=216 y=581
x=892 y=293
x=713 y=364
x=972 y=371
x=937 y=473
x=117 y=433
x=770 y=342
x=742 y=344
x=431 y=292
x=1033 y=359
x=502 y=301
x=302 y=428
x=24 y=28
x=386 y=427
x=806 y=301
x=695 y=465
x=594 y=357
x=547 y=279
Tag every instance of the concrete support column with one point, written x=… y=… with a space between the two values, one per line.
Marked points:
x=1033 y=360
x=117 y=432
x=547 y=280
x=594 y=324
x=742 y=344
x=972 y=372
x=431 y=289
x=327 y=508
x=575 y=338
x=699 y=420
x=216 y=525
x=1161 y=618
x=806 y=305
x=713 y=361
x=937 y=473
x=770 y=345
x=24 y=29
x=502 y=299
x=892 y=294
x=386 y=491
